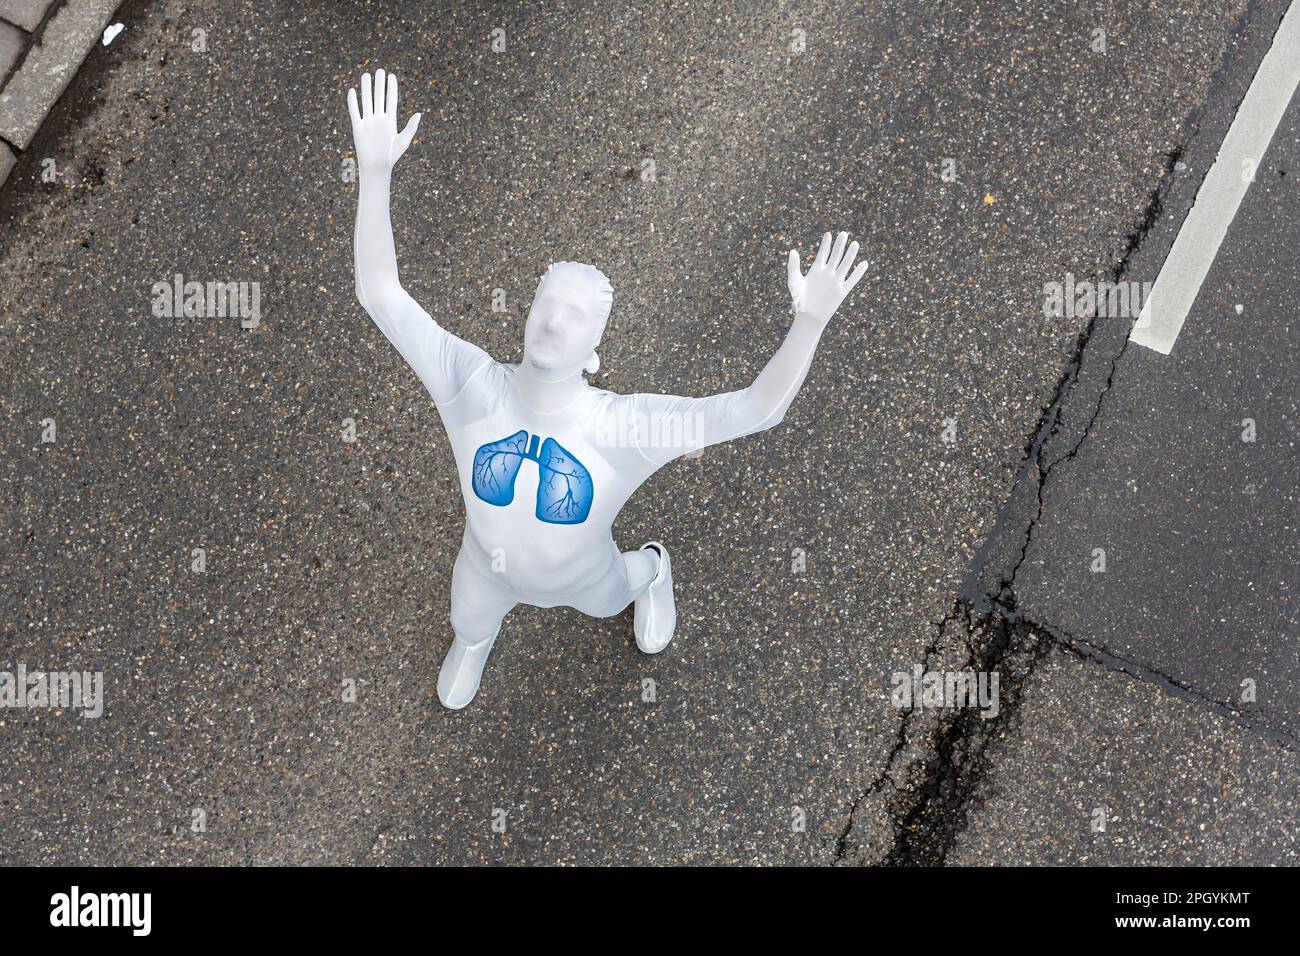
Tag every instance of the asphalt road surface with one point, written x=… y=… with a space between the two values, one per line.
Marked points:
x=932 y=498
x=1186 y=478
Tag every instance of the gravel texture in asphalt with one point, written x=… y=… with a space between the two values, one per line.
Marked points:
x=1185 y=490
x=328 y=562
x=1123 y=775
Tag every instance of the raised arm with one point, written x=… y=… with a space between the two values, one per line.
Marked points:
x=379 y=146
x=443 y=362
x=669 y=425
x=816 y=297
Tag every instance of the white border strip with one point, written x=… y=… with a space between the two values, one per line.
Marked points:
x=1202 y=232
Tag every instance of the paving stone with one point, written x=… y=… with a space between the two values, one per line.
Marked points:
x=26 y=13
x=12 y=42
x=7 y=161
x=34 y=89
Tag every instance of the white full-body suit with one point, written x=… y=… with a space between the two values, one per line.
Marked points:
x=509 y=554
x=545 y=460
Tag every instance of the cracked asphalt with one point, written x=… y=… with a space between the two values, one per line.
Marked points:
x=771 y=737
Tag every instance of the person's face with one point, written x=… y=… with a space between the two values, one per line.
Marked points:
x=563 y=329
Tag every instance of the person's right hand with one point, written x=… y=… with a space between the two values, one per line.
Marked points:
x=374 y=125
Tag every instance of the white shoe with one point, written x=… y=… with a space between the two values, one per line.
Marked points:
x=655 y=611
x=462 y=669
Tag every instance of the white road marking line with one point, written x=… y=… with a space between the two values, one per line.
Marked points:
x=1202 y=232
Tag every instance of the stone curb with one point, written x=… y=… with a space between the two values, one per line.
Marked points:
x=52 y=57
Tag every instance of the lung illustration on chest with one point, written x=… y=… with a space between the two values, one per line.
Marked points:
x=564 y=486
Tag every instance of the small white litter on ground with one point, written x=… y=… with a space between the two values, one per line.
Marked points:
x=110 y=34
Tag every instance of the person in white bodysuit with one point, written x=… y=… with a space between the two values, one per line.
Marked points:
x=545 y=460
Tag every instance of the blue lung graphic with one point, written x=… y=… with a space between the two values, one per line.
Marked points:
x=564 y=487
x=565 y=492
x=495 y=466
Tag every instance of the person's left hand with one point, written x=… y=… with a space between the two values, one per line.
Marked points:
x=828 y=282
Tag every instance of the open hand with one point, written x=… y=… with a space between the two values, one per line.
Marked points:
x=374 y=124
x=820 y=292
